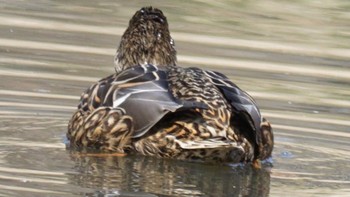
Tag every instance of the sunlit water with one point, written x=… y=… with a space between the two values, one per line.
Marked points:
x=292 y=56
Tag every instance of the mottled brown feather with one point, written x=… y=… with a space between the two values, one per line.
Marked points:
x=215 y=132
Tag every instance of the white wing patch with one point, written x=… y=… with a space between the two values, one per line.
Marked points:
x=118 y=100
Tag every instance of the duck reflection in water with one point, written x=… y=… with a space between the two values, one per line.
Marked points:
x=164 y=177
x=152 y=106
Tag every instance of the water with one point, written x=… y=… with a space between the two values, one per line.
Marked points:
x=292 y=56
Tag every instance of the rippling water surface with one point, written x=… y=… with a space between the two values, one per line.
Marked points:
x=292 y=56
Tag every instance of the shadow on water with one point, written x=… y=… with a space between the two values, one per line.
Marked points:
x=177 y=178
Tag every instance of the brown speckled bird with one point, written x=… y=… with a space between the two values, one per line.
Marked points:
x=154 y=107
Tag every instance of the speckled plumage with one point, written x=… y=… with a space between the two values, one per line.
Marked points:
x=153 y=107
x=146 y=40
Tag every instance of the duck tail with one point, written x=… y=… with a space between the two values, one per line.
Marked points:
x=267 y=139
x=106 y=129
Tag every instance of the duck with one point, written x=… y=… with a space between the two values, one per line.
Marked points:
x=154 y=107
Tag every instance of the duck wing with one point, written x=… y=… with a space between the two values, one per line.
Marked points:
x=244 y=106
x=142 y=92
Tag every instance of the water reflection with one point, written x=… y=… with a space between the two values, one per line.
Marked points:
x=175 y=178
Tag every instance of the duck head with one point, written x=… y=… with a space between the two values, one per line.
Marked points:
x=147 y=40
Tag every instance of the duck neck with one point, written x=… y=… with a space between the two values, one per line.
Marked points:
x=144 y=46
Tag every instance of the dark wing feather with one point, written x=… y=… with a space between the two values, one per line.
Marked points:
x=142 y=91
x=242 y=103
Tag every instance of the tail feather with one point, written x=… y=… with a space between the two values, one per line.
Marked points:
x=266 y=139
x=106 y=129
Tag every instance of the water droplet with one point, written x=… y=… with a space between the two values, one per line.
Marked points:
x=287 y=154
